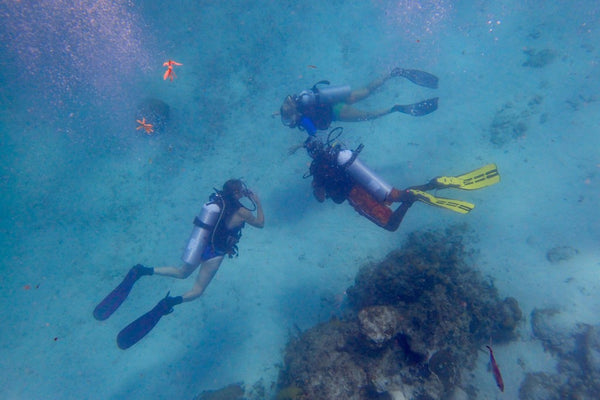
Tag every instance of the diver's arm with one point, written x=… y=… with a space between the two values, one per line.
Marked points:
x=257 y=221
x=293 y=149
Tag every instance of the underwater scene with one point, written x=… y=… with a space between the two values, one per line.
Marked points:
x=298 y=200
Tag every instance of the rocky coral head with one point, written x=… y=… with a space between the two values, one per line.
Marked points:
x=417 y=319
x=443 y=364
x=379 y=324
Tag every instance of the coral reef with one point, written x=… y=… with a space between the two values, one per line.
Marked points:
x=415 y=324
x=577 y=349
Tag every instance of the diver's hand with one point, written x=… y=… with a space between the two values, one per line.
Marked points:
x=294 y=148
x=252 y=196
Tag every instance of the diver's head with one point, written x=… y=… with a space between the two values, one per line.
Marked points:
x=234 y=189
x=290 y=115
x=314 y=147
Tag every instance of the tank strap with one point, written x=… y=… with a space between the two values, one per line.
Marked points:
x=201 y=224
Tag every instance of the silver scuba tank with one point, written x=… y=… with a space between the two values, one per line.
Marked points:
x=323 y=95
x=307 y=98
x=333 y=94
x=204 y=224
x=364 y=176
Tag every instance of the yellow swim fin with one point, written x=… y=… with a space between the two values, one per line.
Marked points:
x=458 y=206
x=485 y=176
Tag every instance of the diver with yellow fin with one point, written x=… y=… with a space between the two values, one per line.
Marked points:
x=481 y=177
x=337 y=173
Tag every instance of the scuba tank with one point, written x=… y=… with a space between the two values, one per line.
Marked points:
x=333 y=94
x=204 y=224
x=327 y=95
x=363 y=175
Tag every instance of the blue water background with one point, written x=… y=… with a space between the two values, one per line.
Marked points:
x=85 y=195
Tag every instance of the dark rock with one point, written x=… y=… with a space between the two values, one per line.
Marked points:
x=539 y=59
x=231 y=392
x=155 y=112
x=508 y=316
x=539 y=386
x=553 y=329
x=443 y=365
x=561 y=253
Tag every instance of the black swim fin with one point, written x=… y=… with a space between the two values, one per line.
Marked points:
x=139 y=328
x=115 y=298
x=418 y=109
x=417 y=77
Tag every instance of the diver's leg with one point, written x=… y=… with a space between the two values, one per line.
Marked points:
x=397 y=216
x=397 y=195
x=181 y=273
x=351 y=114
x=364 y=92
x=207 y=271
x=428 y=186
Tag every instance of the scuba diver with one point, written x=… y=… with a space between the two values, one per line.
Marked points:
x=314 y=109
x=217 y=230
x=338 y=174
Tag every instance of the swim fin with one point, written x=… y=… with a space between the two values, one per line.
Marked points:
x=458 y=206
x=115 y=298
x=139 y=328
x=482 y=177
x=417 y=77
x=418 y=109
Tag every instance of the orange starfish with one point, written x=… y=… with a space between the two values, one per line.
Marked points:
x=149 y=128
x=169 y=73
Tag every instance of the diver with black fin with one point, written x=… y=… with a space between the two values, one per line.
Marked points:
x=314 y=109
x=337 y=173
x=217 y=230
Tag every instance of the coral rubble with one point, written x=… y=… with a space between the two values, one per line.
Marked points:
x=577 y=349
x=415 y=323
x=512 y=121
x=231 y=392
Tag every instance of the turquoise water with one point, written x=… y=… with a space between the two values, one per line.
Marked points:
x=85 y=195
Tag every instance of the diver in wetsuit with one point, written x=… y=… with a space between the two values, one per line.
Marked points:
x=314 y=109
x=217 y=230
x=338 y=174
